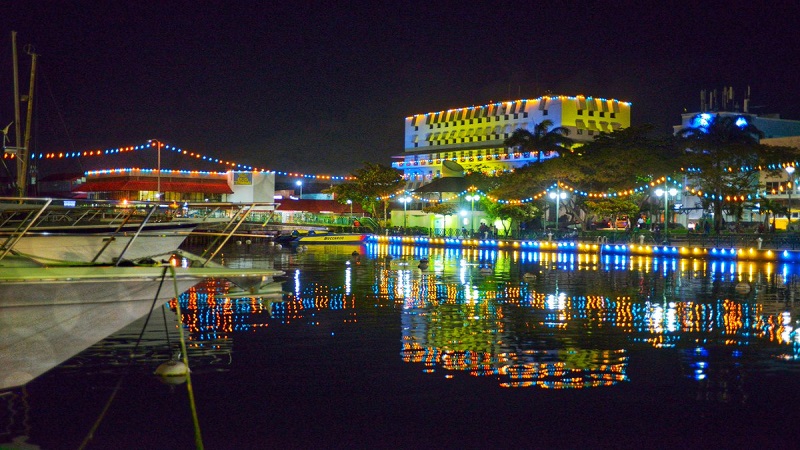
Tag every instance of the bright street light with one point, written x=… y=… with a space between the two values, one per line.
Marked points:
x=350 y=202
x=558 y=196
x=666 y=193
x=471 y=199
x=300 y=183
x=404 y=200
x=790 y=171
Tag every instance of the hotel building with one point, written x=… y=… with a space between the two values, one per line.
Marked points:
x=474 y=136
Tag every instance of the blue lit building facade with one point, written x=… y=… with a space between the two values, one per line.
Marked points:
x=775 y=185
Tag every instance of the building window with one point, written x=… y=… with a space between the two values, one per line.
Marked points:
x=544 y=112
x=591 y=132
x=591 y=113
x=580 y=112
x=580 y=131
x=602 y=114
x=613 y=115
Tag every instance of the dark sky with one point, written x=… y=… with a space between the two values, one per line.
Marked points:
x=321 y=87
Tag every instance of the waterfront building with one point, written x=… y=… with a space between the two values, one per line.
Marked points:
x=780 y=185
x=474 y=136
x=176 y=186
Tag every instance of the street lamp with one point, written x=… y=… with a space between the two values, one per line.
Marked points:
x=472 y=199
x=158 y=169
x=790 y=171
x=405 y=201
x=300 y=183
x=350 y=202
x=558 y=195
x=667 y=193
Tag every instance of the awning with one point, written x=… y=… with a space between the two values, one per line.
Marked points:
x=167 y=185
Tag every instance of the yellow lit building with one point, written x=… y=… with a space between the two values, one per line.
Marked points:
x=474 y=136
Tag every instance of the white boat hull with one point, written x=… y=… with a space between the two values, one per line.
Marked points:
x=58 y=248
x=48 y=315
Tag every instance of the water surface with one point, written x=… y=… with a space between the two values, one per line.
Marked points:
x=476 y=349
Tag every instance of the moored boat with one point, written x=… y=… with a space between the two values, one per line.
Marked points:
x=49 y=314
x=333 y=238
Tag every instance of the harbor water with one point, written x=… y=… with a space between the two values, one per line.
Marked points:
x=380 y=346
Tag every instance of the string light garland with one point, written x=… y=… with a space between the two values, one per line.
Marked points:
x=150 y=145
x=230 y=165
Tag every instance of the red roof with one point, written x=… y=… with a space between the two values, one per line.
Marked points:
x=205 y=186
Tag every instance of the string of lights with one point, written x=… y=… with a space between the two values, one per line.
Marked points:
x=151 y=145
x=231 y=165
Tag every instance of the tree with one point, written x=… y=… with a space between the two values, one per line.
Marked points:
x=614 y=207
x=542 y=139
x=620 y=158
x=772 y=208
x=514 y=213
x=373 y=185
x=725 y=158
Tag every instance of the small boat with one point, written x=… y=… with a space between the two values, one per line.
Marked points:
x=332 y=238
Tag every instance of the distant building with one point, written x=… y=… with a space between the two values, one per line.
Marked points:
x=177 y=186
x=780 y=186
x=474 y=136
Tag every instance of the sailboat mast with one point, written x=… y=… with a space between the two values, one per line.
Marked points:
x=22 y=176
x=18 y=133
x=20 y=149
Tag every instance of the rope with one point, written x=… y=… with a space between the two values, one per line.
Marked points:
x=198 y=439
x=99 y=420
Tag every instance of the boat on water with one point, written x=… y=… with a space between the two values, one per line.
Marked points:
x=321 y=237
x=70 y=232
x=51 y=312
x=67 y=232
x=333 y=238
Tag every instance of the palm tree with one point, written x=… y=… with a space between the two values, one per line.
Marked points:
x=542 y=139
x=727 y=156
x=772 y=208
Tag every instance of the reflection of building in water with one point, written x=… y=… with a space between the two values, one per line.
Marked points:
x=210 y=315
x=569 y=326
x=490 y=334
x=530 y=338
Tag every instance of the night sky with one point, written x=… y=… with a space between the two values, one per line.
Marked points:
x=321 y=87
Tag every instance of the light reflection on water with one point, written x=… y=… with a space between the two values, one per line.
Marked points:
x=579 y=331
x=529 y=319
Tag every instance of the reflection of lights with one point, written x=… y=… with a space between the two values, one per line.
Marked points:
x=297 y=282
x=557 y=302
x=347 y=280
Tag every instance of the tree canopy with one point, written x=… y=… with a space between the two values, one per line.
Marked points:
x=725 y=159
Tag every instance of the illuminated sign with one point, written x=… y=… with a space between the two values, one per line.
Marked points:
x=243 y=179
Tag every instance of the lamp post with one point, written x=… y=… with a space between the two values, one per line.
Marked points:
x=158 y=169
x=350 y=202
x=300 y=183
x=666 y=193
x=404 y=199
x=790 y=171
x=472 y=199
x=558 y=195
